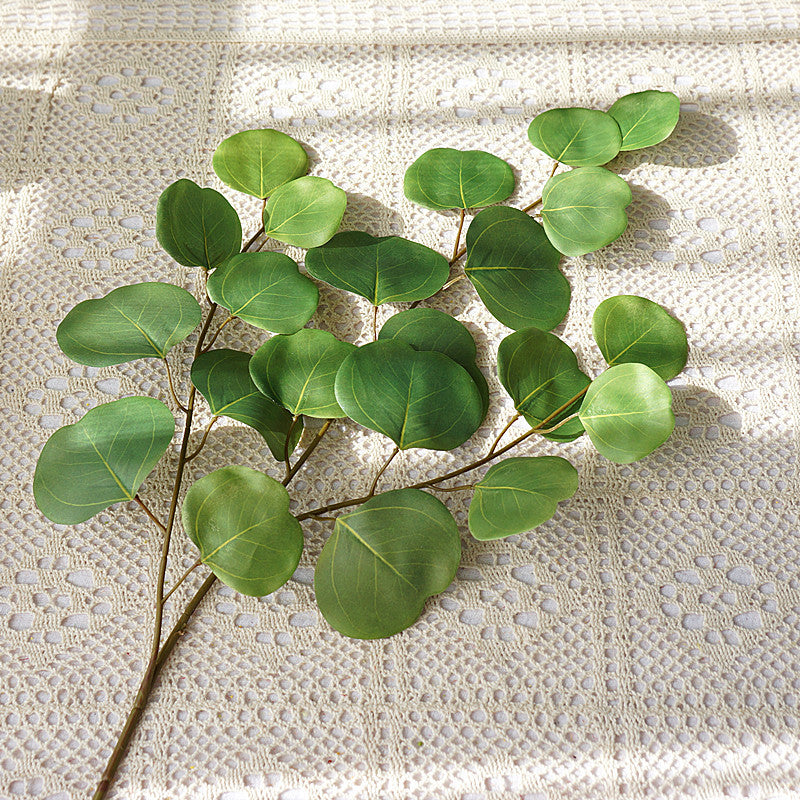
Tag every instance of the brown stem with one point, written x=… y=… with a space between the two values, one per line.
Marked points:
x=374 y=323
x=461 y=216
x=203 y=440
x=217 y=333
x=287 y=444
x=308 y=451
x=178 y=403
x=451 y=488
x=149 y=513
x=503 y=432
x=182 y=579
x=381 y=471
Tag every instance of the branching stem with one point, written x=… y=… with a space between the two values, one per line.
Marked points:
x=182 y=579
x=381 y=471
x=203 y=440
x=504 y=431
x=178 y=403
x=149 y=513
x=213 y=339
x=312 y=445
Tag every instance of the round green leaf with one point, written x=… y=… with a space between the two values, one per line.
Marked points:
x=417 y=399
x=239 y=519
x=305 y=212
x=584 y=209
x=257 y=162
x=633 y=329
x=265 y=289
x=384 y=269
x=197 y=227
x=383 y=561
x=541 y=373
x=580 y=137
x=144 y=320
x=298 y=371
x=429 y=329
x=223 y=378
x=646 y=118
x=443 y=178
x=518 y=494
x=627 y=412
x=102 y=459
x=514 y=269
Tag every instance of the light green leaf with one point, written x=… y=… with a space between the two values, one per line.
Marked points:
x=646 y=118
x=584 y=209
x=518 y=494
x=443 y=178
x=197 y=227
x=144 y=320
x=383 y=561
x=432 y=330
x=257 y=162
x=384 y=269
x=580 y=137
x=514 y=269
x=633 y=329
x=627 y=412
x=417 y=399
x=305 y=212
x=223 y=378
x=298 y=371
x=239 y=519
x=102 y=459
x=265 y=289
x=541 y=374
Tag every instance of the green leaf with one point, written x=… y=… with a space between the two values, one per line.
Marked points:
x=239 y=519
x=541 y=374
x=257 y=162
x=646 y=118
x=518 y=494
x=223 y=378
x=429 y=329
x=298 y=371
x=144 y=320
x=417 y=399
x=633 y=329
x=383 y=561
x=514 y=269
x=305 y=212
x=443 y=178
x=627 y=412
x=102 y=459
x=580 y=137
x=384 y=269
x=584 y=209
x=197 y=227
x=265 y=289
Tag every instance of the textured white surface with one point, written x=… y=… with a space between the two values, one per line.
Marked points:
x=645 y=643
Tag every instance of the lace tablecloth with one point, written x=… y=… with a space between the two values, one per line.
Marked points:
x=644 y=643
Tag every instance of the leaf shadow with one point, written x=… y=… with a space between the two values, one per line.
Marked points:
x=645 y=205
x=365 y=213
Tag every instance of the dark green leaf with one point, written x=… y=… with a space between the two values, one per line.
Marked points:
x=417 y=399
x=646 y=118
x=518 y=494
x=581 y=137
x=443 y=178
x=384 y=269
x=102 y=459
x=383 y=561
x=515 y=270
x=144 y=320
x=239 y=519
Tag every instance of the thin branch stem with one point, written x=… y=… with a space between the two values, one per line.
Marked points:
x=149 y=513
x=308 y=451
x=504 y=431
x=556 y=427
x=451 y=488
x=287 y=443
x=251 y=241
x=535 y=203
x=213 y=339
x=381 y=471
x=203 y=440
x=461 y=216
x=178 y=403
x=374 y=323
x=452 y=281
x=182 y=579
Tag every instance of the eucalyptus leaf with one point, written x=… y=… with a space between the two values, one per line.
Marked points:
x=429 y=329
x=305 y=212
x=102 y=459
x=444 y=178
x=197 y=227
x=239 y=519
x=581 y=137
x=144 y=320
x=223 y=378
x=646 y=118
x=416 y=398
x=257 y=162
x=265 y=289
x=298 y=371
x=633 y=329
x=514 y=269
x=383 y=561
x=584 y=209
x=384 y=269
x=518 y=494
x=627 y=412
x=541 y=374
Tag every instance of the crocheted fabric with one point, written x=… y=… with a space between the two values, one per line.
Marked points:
x=644 y=643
